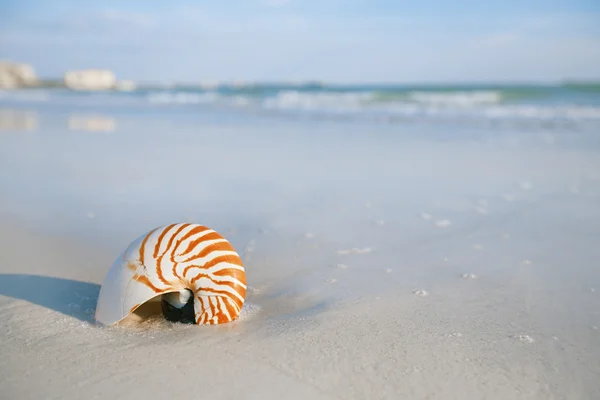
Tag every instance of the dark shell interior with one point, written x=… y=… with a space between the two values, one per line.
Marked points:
x=184 y=315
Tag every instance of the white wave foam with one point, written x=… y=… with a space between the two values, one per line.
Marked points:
x=461 y=99
x=482 y=104
x=486 y=105
x=182 y=98
x=425 y=103
x=543 y=112
x=327 y=101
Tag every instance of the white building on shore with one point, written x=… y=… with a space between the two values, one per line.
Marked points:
x=15 y=75
x=90 y=79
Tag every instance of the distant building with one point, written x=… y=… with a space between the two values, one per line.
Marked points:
x=90 y=79
x=16 y=75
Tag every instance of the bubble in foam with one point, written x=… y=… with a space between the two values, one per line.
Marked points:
x=425 y=216
x=444 y=223
x=420 y=292
x=469 y=276
x=524 y=338
x=253 y=290
x=481 y=210
x=453 y=335
x=355 y=250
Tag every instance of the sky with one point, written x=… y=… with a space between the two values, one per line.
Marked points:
x=351 y=41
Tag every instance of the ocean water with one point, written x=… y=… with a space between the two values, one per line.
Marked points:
x=279 y=139
x=304 y=177
x=566 y=105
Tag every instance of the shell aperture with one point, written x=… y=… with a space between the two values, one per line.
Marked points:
x=178 y=306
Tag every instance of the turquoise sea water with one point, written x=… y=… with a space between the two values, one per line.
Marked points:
x=558 y=106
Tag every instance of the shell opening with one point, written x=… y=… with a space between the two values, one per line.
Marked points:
x=178 y=307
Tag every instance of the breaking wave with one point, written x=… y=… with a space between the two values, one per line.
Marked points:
x=571 y=102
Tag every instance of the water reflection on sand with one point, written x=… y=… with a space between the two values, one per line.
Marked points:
x=17 y=120
x=92 y=123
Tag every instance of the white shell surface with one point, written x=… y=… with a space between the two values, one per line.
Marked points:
x=115 y=301
x=173 y=258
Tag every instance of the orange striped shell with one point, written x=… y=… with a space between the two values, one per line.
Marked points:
x=176 y=258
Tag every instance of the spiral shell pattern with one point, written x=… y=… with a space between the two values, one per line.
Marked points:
x=184 y=256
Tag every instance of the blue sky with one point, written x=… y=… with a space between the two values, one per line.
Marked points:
x=330 y=40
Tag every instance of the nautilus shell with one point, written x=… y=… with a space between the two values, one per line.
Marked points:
x=196 y=271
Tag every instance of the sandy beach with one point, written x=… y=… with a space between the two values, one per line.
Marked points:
x=384 y=261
